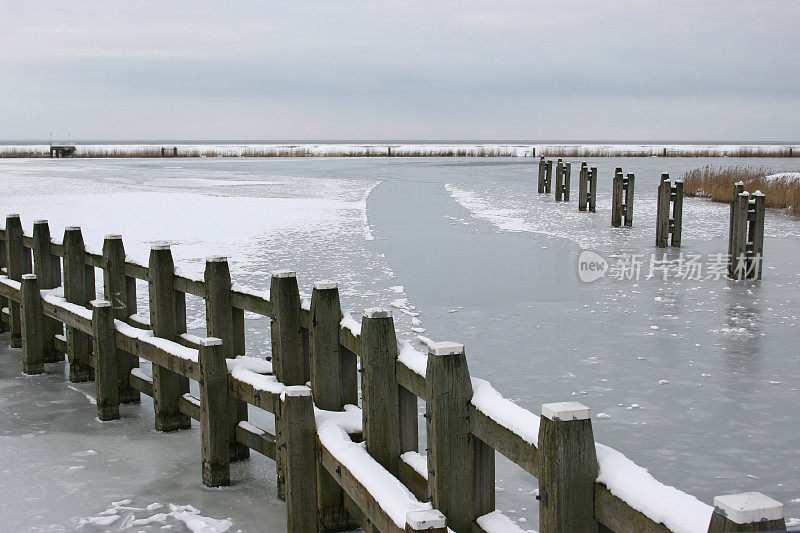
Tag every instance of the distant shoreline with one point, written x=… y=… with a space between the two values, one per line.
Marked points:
x=167 y=150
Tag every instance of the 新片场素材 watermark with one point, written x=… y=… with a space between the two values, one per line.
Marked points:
x=686 y=266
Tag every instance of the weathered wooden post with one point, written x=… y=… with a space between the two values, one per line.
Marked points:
x=47 y=268
x=583 y=187
x=460 y=466
x=592 y=178
x=287 y=353
x=670 y=199
x=15 y=261
x=616 y=199
x=327 y=376
x=548 y=176
x=168 y=386
x=746 y=238
x=628 y=185
x=429 y=520
x=380 y=403
x=115 y=289
x=559 y=180
x=31 y=326
x=568 y=469
x=756 y=231
x=4 y=303
x=300 y=437
x=226 y=323
x=750 y=511
x=105 y=360
x=214 y=413
x=76 y=288
x=565 y=191
x=542 y=171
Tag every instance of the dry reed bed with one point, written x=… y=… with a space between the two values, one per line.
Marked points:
x=717 y=184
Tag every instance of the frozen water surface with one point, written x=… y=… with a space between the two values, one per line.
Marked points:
x=697 y=380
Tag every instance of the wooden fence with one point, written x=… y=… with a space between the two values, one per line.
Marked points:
x=328 y=479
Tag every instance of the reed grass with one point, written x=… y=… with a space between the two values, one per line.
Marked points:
x=717 y=183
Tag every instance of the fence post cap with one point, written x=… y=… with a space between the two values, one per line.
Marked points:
x=565 y=411
x=12 y=215
x=748 y=507
x=210 y=341
x=113 y=237
x=758 y=193
x=100 y=303
x=377 y=312
x=294 y=391
x=216 y=259
x=159 y=245
x=423 y=519
x=284 y=274
x=39 y=222
x=29 y=276
x=445 y=348
x=325 y=285
x=72 y=228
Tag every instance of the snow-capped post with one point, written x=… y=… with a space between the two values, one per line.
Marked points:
x=750 y=511
x=565 y=185
x=287 y=352
x=225 y=322
x=542 y=170
x=327 y=373
x=380 y=403
x=592 y=178
x=559 y=180
x=31 y=325
x=300 y=436
x=168 y=386
x=733 y=230
x=105 y=360
x=214 y=413
x=756 y=258
x=568 y=469
x=746 y=238
x=460 y=466
x=670 y=201
x=616 y=199
x=76 y=291
x=47 y=268
x=15 y=262
x=548 y=177
x=429 y=520
x=115 y=290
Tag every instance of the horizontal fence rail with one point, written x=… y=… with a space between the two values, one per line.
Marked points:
x=339 y=465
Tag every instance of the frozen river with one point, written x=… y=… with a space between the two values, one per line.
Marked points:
x=696 y=379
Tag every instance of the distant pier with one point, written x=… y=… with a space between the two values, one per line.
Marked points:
x=62 y=150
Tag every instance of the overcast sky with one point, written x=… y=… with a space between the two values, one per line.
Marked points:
x=536 y=70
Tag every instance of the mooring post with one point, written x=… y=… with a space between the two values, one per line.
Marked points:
x=676 y=223
x=47 y=268
x=428 y=520
x=115 y=290
x=287 y=353
x=568 y=469
x=226 y=323
x=616 y=199
x=542 y=170
x=559 y=180
x=756 y=238
x=327 y=374
x=31 y=326
x=214 y=413
x=593 y=190
x=628 y=184
x=300 y=437
x=380 y=404
x=749 y=511
x=737 y=266
x=15 y=262
x=662 y=211
x=106 y=374
x=567 y=172
x=548 y=176
x=79 y=344
x=738 y=188
x=583 y=189
x=455 y=486
x=168 y=386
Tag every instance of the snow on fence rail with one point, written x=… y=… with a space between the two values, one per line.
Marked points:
x=410 y=150
x=338 y=465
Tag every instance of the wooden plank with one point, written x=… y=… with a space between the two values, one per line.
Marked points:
x=189 y=286
x=158 y=356
x=190 y=406
x=214 y=414
x=251 y=302
x=134 y=270
x=619 y=517
x=259 y=441
x=413 y=480
x=247 y=393
x=141 y=383
x=365 y=502
x=504 y=441
x=350 y=341
x=71 y=319
x=105 y=361
x=410 y=380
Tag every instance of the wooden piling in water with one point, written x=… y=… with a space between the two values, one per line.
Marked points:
x=300 y=436
x=15 y=261
x=750 y=511
x=76 y=291
x=583 y=187
x=32 y=331
x=568 y=469
x=47 y=268
x=455 y=487
x=616 y=199
x=548 y=176
x=628 y=185
x=669 y=212
x=116 y=291
x=559 y=180
x=542 y=172
x=214 y=413
x=226 y=323
x=565 y=185
x=105 y=360
x=746 y=237
x=168 y=386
